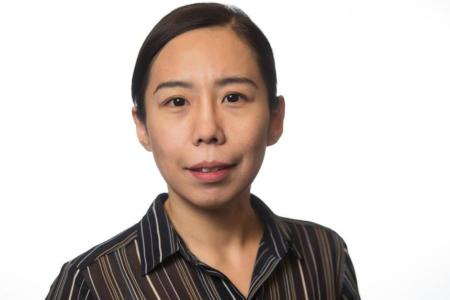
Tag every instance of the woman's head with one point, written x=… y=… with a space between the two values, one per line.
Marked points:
x=200 y=15
x=206 y=105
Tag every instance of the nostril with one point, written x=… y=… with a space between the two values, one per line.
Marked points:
x=208 y=135
x=213 y=140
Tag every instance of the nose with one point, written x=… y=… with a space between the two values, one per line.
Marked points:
x=207 y=126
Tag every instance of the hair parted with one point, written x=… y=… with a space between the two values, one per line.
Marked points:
x=199 y=15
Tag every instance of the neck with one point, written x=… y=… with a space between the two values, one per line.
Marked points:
x=227 y=229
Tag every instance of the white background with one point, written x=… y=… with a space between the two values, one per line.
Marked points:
x=365 y=149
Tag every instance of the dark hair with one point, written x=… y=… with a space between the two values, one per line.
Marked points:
x=195 y=16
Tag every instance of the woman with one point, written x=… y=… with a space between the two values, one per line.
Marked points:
x=204 y=89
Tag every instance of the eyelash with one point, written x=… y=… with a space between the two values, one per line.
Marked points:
x=171 y=99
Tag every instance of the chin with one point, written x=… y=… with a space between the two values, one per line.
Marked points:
x=208 y=199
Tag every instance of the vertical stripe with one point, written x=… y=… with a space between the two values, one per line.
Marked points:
x=295 y=260
x=73 y=283
x=92 y=283
x=158 y=234
x=302 y=276
x=228 y=289
x=153 y=288
x=143 y=246
x=171 y=284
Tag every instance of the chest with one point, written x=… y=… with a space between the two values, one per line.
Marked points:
x=289 y=278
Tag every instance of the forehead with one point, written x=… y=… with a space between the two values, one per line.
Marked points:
x=205 y=53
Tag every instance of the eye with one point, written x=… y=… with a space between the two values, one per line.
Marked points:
x=177 y=101
x=234 y=97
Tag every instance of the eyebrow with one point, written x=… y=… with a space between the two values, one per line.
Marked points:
x=220 y=82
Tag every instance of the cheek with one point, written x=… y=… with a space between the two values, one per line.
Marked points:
x=251 y=137
x=167 y=145
x=253 y=129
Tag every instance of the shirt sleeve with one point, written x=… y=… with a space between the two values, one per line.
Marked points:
x=349 y=284
x=69 y=284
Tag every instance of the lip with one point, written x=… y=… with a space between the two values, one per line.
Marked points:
x=211 y=177
x=211 y=164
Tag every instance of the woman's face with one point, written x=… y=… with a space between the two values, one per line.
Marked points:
x=206 y=102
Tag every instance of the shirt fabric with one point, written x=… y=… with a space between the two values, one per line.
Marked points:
x=295 y=260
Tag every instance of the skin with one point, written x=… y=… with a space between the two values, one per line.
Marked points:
x=211 y=122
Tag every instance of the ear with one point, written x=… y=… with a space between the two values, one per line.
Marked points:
x=141 y=130
x=276 y=122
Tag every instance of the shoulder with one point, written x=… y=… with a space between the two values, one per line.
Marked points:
x=111 y=245
x=324 y=252
x=312 y=240
x=71 y=281
x=308 y=230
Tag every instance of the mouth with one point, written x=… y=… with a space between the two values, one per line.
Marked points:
x=213 y=166
x=211 y=171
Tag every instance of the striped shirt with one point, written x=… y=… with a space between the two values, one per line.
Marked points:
x=295 y=260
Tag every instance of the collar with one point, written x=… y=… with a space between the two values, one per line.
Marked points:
x=158 y=239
